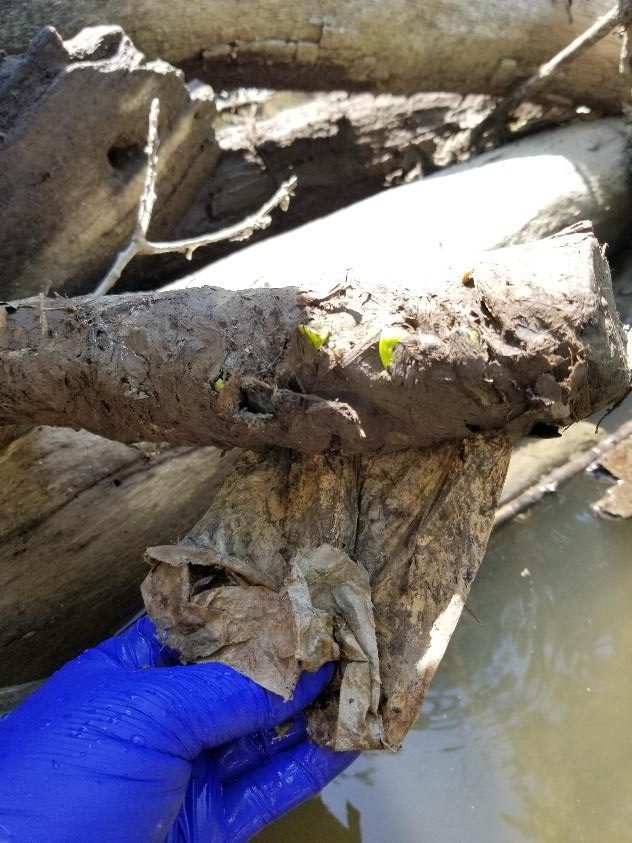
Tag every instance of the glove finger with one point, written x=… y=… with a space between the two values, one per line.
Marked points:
x=138 y=646
x=289 y=778
x=190 y=708
x=250 y=751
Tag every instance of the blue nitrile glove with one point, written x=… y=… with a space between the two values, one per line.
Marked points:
x=121 y=745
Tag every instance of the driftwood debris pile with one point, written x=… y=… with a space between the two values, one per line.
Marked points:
x=365 y=375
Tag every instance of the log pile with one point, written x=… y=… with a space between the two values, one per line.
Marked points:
x=359 y=358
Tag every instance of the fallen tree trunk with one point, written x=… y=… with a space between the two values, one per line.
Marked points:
x=341 y=147
x=520 y=336
x=525 y=191
x=346 y=148
x=393 y=45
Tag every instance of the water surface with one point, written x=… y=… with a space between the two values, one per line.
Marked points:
x=526 y=734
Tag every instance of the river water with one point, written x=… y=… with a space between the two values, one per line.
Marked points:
x=526 y=733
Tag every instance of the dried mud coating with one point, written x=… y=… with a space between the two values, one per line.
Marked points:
x=533 y=336
x=304 y=559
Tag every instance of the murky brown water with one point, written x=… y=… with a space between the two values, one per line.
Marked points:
x=527 y=730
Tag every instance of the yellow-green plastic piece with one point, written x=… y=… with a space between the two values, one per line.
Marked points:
x=218 y=385
x=386 y=347
x=317 y=338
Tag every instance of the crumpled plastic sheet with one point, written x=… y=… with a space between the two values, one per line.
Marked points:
x=365 y=561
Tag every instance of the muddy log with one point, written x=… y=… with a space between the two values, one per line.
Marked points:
x=521 y=336
x=369 y=559
x=394 y=45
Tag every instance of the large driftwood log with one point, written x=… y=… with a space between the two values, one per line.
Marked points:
x=395 y=45
x=523 y=191
x=73 y=124
x=520 y=336
x=344 y=148
x=76 y=514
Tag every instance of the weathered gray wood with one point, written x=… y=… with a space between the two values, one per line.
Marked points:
x=522 y=191
x=450 y=45
x=68 y=194
x=341 y=147
x=76 y=514
x=73 y=124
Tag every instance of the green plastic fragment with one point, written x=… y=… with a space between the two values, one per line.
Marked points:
x=317 y=338
x=386 y=346
x=218 y=385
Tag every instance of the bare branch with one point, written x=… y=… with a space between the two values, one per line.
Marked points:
x=140 y=245
x=619 y=15
x=148 y=198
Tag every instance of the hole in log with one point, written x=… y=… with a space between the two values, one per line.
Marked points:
x=256 y=401
x=126 y=158
x=540 y=430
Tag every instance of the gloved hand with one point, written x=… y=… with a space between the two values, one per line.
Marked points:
x=122 y=744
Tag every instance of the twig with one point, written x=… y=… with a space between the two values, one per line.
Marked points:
x=625 y=56
x=619 y=15
x=550 y=482
x=140 y=245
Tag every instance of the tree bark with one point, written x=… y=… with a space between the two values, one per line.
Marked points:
x=522 y=335
x=394 y=45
